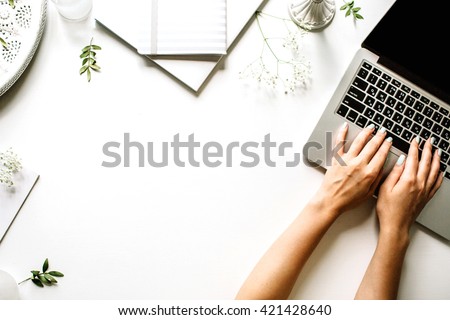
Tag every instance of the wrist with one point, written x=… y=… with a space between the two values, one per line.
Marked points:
x=395 y=236
x=324 y=207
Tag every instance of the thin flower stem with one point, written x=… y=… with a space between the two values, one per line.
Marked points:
x=24 y=281
x=266 y=39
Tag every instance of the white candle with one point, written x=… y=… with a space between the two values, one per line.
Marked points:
x=8 y=287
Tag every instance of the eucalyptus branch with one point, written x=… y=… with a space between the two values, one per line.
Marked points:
x=89 y=62
x=351 y=9
x=45 y=277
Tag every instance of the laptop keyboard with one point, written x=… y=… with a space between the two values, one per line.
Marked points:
x=375 y=97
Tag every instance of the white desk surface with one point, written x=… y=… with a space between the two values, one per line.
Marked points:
x=180 y=233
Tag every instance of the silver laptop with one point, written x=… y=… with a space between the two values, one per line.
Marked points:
x=400 y=80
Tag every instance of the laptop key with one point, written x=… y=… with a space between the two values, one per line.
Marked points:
x=443 y=111
x=369 y=113
x=445 y=134
x=425 y=100
x=407 y=135
x=356 y=93
x=382 y=96
x=443 y=167
x=407 y=123
x=434 y=105
x=372 y=78
x=372 y=91
x=410 y=101
x=396 y=83
x=388 y=112
x=400 y=107
x=361 y=122
x=447 y=175
x=409 y=112
x=352 y=115
x=416 y=129
x=369 y=101
x=367 y=65
x=388 y=124
x=390 y=102
x=381 y=84
x=437 y=117
x=399 y=143
x=342 y=110
x=391 y=90
x=437 y=129
x=419 y=118
x=415 y=94
x=378 y=106
x=446 y=122
x=377 y=71
x=360 y=83
x=378 y=118
x=444 y=145
x=400 y=95
x=436 y=140
x=444 y=157
x=427 y=123
x=428 y=112
x=418 y=106
x=397 y=117
x=406 y=88
x=425 y=134
x=397 y=130
x=363 y=73
x=387 y=77
x=354 y=104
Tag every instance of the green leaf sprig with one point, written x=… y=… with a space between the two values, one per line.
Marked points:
x=45 y=277
x=351 y=9
x=89 y=63
x=12 y=3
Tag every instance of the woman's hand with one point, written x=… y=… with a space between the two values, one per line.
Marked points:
x=353 y=179
x=408 y=188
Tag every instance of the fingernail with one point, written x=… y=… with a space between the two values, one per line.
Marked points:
x=439 y=152
x=418 y=140
x=371 y=126
x=389 y=139
x=345 y=126
x=401 y=159
x=382 y=130
x=433 y=140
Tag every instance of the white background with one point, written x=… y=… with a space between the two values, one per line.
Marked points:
x=180 y=233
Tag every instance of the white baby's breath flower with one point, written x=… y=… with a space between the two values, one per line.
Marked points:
x=292 y=71
x=9 y=165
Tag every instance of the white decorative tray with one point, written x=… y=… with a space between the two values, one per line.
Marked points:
x=21 y=28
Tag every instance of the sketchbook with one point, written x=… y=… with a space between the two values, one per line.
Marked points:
x=13 y=198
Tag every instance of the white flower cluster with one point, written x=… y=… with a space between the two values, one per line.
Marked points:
x=292 y=71
x=9 y=164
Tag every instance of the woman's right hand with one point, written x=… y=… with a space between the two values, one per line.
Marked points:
x=408 y=188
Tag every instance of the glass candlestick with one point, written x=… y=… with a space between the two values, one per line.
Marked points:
x=312 y=14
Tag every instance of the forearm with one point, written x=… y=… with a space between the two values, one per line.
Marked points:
x=382 y=278
x=274 y=276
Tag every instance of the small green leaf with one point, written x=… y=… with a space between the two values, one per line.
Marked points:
x=86 y=49
x=12 y=4
x=89 y=75
x=95 y=47
x=95 y=67
x=50 y=278
x=45 y=266
x=56 y=274
x=43 y=279
x=344 y=6
x=35 y=273
x=37 y=282
x=84 y=68
x=358 y=16
x=356 y=9
x=348 y=12
x=351 y=3
x=85 y=54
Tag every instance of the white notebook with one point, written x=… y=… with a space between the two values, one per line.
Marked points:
x=170 y=27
